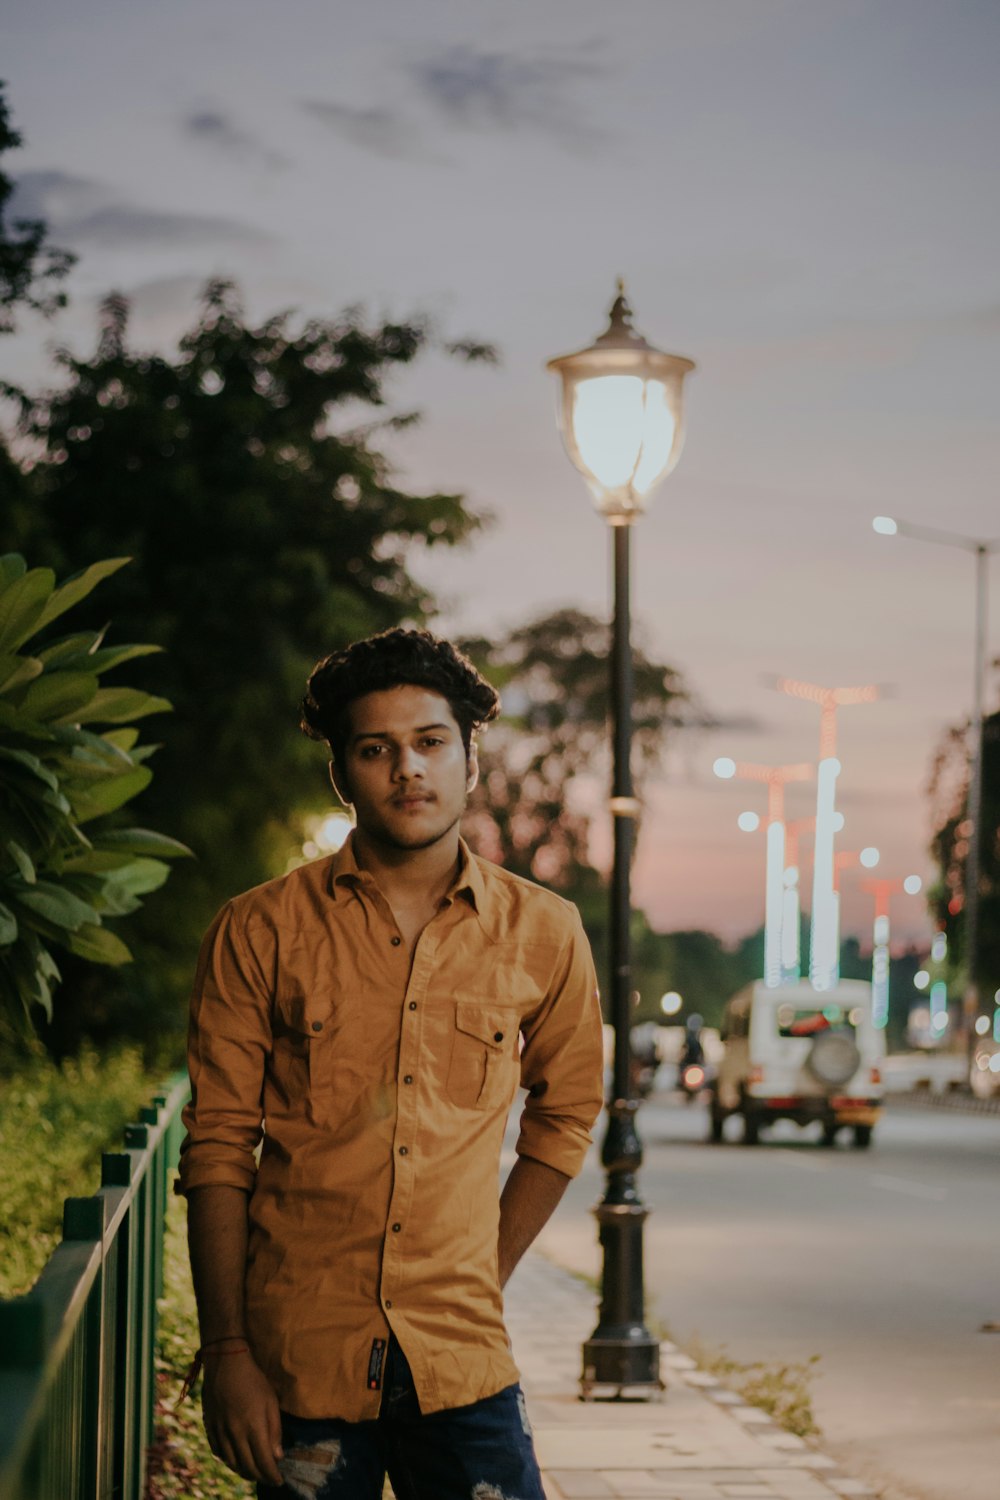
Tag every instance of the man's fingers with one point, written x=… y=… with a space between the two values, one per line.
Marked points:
x=263 y=1456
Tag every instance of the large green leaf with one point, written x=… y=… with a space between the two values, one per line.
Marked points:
x=17 y=670
x=112 y=656
x=22 y=860
x=53 y=903
x=77 y=588
x=109 y=795
x=92 y=862
x=22 y=605
x=58 y=696
x=8 y=926
x=122 y=739
x=140 y=876
x=67 y=647
x=98 y=945
x=120 y=705
x=24 y=760
x=98 y=744
x=141 y=841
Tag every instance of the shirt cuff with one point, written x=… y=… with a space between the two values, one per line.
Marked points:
x=197 y=1174
x=557 y=1143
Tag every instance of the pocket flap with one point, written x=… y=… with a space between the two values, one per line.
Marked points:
x=302 y=1014
x=494 y=1025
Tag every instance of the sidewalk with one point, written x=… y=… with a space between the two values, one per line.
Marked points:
x=698 y=1443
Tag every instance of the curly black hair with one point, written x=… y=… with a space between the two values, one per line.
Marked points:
x=394 y=658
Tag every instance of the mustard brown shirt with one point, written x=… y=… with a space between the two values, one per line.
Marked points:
x=378 y=1091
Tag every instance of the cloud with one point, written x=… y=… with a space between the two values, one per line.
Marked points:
x=80 y=211
x=382 y=131
x=504 y=91
x=218 y=131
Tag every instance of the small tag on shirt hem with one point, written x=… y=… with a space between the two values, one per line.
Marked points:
x=375 y=1362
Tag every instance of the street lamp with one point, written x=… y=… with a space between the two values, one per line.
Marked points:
x=981 y=549
x=621 y=418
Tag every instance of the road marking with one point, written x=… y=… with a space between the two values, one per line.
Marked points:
x=912 y=1189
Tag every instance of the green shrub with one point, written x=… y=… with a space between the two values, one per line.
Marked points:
x=58 y=883
x=54 y=1123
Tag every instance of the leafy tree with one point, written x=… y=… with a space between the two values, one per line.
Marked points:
x=266 y=531
x=66 y=864
x=530 y=811
x=30 y=270
x=949 y=791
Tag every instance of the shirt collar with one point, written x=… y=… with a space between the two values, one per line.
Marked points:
x=345 y=872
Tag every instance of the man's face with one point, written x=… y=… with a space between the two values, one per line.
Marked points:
x=405 y=767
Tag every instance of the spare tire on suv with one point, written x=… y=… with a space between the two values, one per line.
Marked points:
x=833 y=1058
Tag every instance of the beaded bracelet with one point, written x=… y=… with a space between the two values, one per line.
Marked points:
x=214 y=1352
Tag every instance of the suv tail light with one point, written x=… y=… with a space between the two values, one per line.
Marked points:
x=756 y=1074
x=876 y=1075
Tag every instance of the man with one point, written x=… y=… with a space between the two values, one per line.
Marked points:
x=364 y=1022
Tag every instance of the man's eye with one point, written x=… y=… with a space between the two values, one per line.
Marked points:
x=370 y=751
x=432 y=740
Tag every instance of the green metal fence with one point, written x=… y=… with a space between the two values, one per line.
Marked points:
x=76 y=1352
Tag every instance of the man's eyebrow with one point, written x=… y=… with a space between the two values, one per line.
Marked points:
x=384 y=734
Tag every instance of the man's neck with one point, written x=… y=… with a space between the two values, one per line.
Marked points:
x=410 y=877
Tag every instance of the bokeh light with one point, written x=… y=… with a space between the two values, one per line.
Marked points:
x=724 y=768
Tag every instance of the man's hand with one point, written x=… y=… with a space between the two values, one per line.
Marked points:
x=242 y=1418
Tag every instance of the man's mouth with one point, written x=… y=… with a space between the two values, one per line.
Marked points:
x=414 y=800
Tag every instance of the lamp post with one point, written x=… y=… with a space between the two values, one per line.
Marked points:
x=883 y=891
x=621 y=418
x=981 y=549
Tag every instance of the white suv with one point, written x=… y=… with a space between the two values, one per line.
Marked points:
x=800 y=1054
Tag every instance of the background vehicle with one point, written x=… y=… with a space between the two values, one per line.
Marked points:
x=798 y=1054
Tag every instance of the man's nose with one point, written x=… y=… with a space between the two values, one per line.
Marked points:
x=409 y=763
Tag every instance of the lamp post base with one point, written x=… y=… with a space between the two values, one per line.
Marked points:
x=629 y=1364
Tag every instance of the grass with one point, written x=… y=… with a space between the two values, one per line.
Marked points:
x=55 y=1120
x=782 y=1390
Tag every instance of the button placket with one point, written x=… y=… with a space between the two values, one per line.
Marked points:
x=407 y=1107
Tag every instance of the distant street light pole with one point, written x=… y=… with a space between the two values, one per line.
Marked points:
x=621 y=418
x=981 y=550
x=775 y=778
x=824 y=934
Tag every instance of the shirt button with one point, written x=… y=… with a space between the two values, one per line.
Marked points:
x=404 y=1150
x=408 y=1078
x=396 y=1228
x=395 y=941
x=498 y=1036
x=387 y=1302
x=317 y=1026
x=413 y=1005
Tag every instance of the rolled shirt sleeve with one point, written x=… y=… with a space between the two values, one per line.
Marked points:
x=228 y=1043
x=562 y=1065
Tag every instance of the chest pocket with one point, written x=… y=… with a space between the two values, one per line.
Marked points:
x=303 y=1056
x=484 y=1067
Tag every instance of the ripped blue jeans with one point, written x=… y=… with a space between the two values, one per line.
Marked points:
x=478 y=1452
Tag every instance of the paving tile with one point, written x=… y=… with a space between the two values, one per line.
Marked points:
x=733 y=1491
x=579 y=1485
x=849 y=1486
x=637 y=1484
x=817 y=1461
x=752 y=1414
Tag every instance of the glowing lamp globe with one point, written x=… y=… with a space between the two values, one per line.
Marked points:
x=622 y=414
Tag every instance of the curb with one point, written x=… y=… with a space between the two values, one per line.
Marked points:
x=759 y=1425
x=960 y=1104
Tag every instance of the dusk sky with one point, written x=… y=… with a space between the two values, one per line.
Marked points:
x=802 y=196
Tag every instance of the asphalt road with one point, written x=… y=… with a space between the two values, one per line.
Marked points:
x=884 y=1262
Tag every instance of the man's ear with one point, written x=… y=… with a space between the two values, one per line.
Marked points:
x=472 y=762
x=341 y=790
